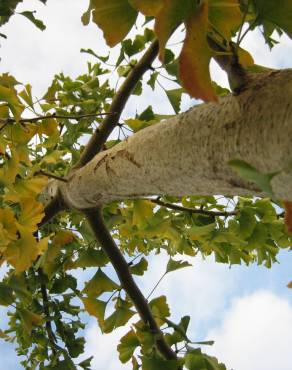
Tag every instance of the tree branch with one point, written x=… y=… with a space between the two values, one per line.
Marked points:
x=193 y=210
x=40 y=118
x=53 y=207
x=95 y=219
x=100 y=136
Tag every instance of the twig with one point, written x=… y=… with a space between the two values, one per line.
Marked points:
x=95 y=219
x=50 y=116
x=100 y=136
x=50 y=175
x=193 y=210
x=156 y=285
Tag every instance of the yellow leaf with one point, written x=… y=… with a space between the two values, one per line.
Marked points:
x=31 y=215
x=8 y=229
x=26 y=188
x=245 y=59
x=23 y=252
x=195 y=57
x=9 y=95
x=289 y=285
x=95 y=308
x=114 y=17
x=63 y=237
x=147 y=7
x=225 y=15
x=10 y=169
x=142 y=211
x=29 y=319
x=48 y=127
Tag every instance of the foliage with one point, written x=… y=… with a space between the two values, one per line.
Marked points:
x=45 y=301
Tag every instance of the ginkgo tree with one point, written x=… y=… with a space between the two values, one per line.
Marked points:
x=74 y=196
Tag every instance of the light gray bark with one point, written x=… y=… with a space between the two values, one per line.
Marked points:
x=189 y=154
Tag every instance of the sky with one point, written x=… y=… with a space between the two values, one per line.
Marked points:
x=247 y=311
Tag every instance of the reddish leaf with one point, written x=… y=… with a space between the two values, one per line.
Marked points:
x=195 y=57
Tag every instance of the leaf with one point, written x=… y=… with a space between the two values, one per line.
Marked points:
x=9 y=95
x=199 y=232
x=170 y=16
x=147 y=7
x=248 y=172
x=22 y=252
x=6 y=295
x=128 y=343
x=115 y=18
x=174 y=97
x=29 y=319
x=196 y=360
x=38 y=23
x=289 y=285
x=159 y=364
x=142 y=212
x=99 y=284
x=159 y=307
x=278 y=13
x=140 y=267
x=225 y=15
x=173 y=265
x=90 y=258
x=119 y=317
x=95 y=308
x=195 y=56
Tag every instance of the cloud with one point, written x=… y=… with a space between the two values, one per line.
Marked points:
x=255 y=334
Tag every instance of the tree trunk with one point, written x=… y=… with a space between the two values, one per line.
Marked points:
x=189 y=154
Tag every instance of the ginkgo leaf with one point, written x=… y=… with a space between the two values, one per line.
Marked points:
x=29 y=319
x=95 y=308
x=8 y=229
x=159 y=307
x=22 y=252
x=173 y=265
x=128 y=343
x=9 y=95
x=142 y=211
x=147 y=7
x=91 y=258
x=278 y=13
x=10 y=169
x=225 y=15
x=140 y=267
x=195 y=57
x=170 y=16
x=98 y=284
x=115 y=18
x=159 y=363
x=31 y=215
x=119 y=317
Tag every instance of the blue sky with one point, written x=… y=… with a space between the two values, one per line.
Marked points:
x=248 y=311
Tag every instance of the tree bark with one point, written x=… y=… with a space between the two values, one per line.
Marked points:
x=189 y=154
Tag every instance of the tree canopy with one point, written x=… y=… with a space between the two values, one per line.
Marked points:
x=81 y=187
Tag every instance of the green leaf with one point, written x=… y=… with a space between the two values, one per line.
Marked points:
x=196 y=360
x=99 y=284
x=119 y=317
x=174 y=97
x=159 y=364
x=248 y=172
x=91 y=257
x=29 y=319
x=199 y=232
x=9 y=95
x=278 y=13
x=140 y=267
x=6 y=295
x=127 y=346
x=95 y=308
x=115 y=18
x=173 y=265
x=38 y=23
x=159 y=307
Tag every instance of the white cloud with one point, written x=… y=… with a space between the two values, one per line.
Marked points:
x=255 y=334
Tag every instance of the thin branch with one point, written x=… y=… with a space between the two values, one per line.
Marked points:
x=100 y=136
x=95 y=219
x=49 y=329
x=54 y=206
x=51 y=175
x=50 y=116
x=193 y=210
